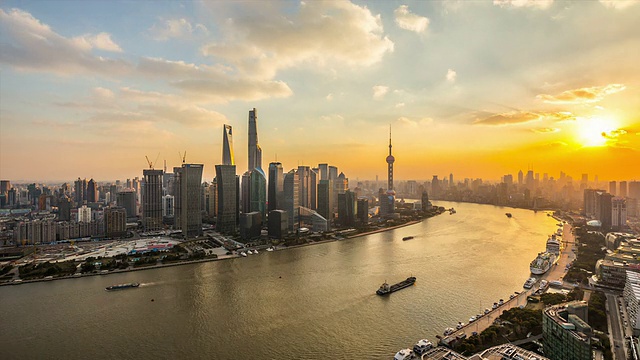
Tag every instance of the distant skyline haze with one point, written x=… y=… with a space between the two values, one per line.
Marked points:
x=479 y=89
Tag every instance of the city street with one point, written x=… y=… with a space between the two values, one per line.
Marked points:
x=616 y=335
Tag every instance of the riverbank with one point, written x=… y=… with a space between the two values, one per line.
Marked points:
x=188 y=262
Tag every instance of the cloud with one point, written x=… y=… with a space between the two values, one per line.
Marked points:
x=399 y=105
x=323 y=34
x=30 y=45
x=451 y=76
x=175 y=28
x=408 y=21
x=329 y=97
x=519 y=117
x=545 y=130
x=619 y=4
x=101 y=41
x=379 y=91
x=538 y=4
x=407 y=122
x=582 y=95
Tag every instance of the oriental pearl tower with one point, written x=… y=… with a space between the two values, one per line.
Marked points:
x=390 y=160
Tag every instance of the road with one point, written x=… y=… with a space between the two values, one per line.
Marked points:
x=617 y=337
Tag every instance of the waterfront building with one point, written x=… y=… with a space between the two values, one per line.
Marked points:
x=589 y=203
x=612 y=273
x=127 y=200
x=631 y=296
x=363 y=211
x=227 y=145
x=227 y=184
x=250 y=225
x=276 y=187
x=278 y=224
x=255 y=152
x=115 y=222
x=618 y=213
x=565 y=332
x=304 y=186
x=340 y=185
x=311 y=219
x=425 y=203
x=152 y=200
x=212 y=198
x=188 y=207
x=325 y=199
x=245 y=192
x=291 y=198
x=258 y=192
x=347 y=209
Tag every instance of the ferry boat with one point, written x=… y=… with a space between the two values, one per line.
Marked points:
x=422 y=346
x=270 y=248
x=508 y=215
x=529 y=283
x=388 y=289
x=122 y=286
x=244 y=254
x=407 y=238
x=448 y=331
x=452 y=211
x=542 y=263
x=544 y=285
x=553 y=245
x=404 y=354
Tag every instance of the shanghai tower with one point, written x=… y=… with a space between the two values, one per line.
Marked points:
x=227 y=146
x=255 y=152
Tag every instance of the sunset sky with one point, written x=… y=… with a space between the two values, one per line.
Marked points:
x=476 y=88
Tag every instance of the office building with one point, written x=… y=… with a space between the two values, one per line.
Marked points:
x=168 y=210
x=566 y=334
x=115 y=222
x=92 y=192
x=80 y=191
x=152 y=200
x=227 y=146
x=603 y=209
x=258 y=192
x=127 y=200
x=291 y=199
x=278 y=224
x=304 y=186
x=188 y=207
x=323 y=171
x=325 y=199
x=612 y=188
x=362 y=214
x=227 y=184
x=618 y=213
x=622 y=189
x=631 y=294
x=276 y=187
x=347 y=209
x=255 y=152
x=250 y=225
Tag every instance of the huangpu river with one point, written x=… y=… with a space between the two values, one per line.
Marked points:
x=313 y=302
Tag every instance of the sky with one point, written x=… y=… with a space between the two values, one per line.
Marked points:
x=474 y=88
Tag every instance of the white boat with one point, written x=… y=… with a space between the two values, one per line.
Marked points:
x=270 y=248
x=544 y=285
x=243 y=254
x=542 y=263
x=553 y=245
x=422 y=346
x=556 y=283
x=404 y=354
x=472 y=319
x=460 y=325
x=529 y=283
x=448 y=331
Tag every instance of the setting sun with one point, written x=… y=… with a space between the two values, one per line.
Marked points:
x=592 y=131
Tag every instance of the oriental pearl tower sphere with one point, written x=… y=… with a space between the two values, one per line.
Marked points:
x=390 y=161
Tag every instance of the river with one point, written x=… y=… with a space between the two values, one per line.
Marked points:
x=313 y=302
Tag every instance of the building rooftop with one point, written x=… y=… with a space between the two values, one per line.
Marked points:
x=500 y=352
x=554 y=313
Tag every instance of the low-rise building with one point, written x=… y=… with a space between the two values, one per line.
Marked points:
x=631 y=295
x=566 y=334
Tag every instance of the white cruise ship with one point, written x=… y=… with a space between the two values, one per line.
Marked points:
x=542 y=263
x=553 y=245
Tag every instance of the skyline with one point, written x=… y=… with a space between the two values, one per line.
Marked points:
x=101 y=88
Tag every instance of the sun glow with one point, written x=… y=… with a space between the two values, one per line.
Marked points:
x=592 y=131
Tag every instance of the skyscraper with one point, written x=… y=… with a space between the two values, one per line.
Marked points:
x=227 y=146
x=258 y=192
x=291 y=198
x=152 y=200
x=325 y=199
x=276 y=186
x=255 y=152
x=92 y=191
x=612 y=188
x=227 y=218
x=619 y=213
x=188 y=209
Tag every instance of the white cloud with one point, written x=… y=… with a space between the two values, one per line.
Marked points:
x=619 y=4
x=583 y=95
x=407 y=122
x=451 y=75
x=379 y=91
x=30 y=45
x=329 y=97
x=399 y=105
x=323 y=34
x=175 y=28
x=409 y=21
x=539 y=4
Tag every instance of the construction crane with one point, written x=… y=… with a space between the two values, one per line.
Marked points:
x=182 y=156
x=151 y=163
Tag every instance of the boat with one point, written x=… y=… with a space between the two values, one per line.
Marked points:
x=553 y=245
x=407 y=238
x=122 y=286
x=529 y=283
x=270 y=248
x=460 y=325
x=448 y=331
x=544 y=285
x=404 y=354
x=255 y=251
x=422 y=346
x=556 y=283
x=472 y=319
x=242 y=253
x=388 y=289
x=452 y=211
x=542 y=263
x=508 y=215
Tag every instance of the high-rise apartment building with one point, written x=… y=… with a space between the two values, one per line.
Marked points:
x=622 y=189
x=291 y=198
x=80 y=187
x=612 y=188
x=227 y=184
x=127 y=200
x=188 y=207
x=227 y=146
x=276 y=187
x=115 y=222
x=565 y=332
x=603 y=209
x=618 y=213
x=152 y=200
x=255 y=152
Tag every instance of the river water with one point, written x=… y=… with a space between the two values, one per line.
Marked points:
x=314 y=302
